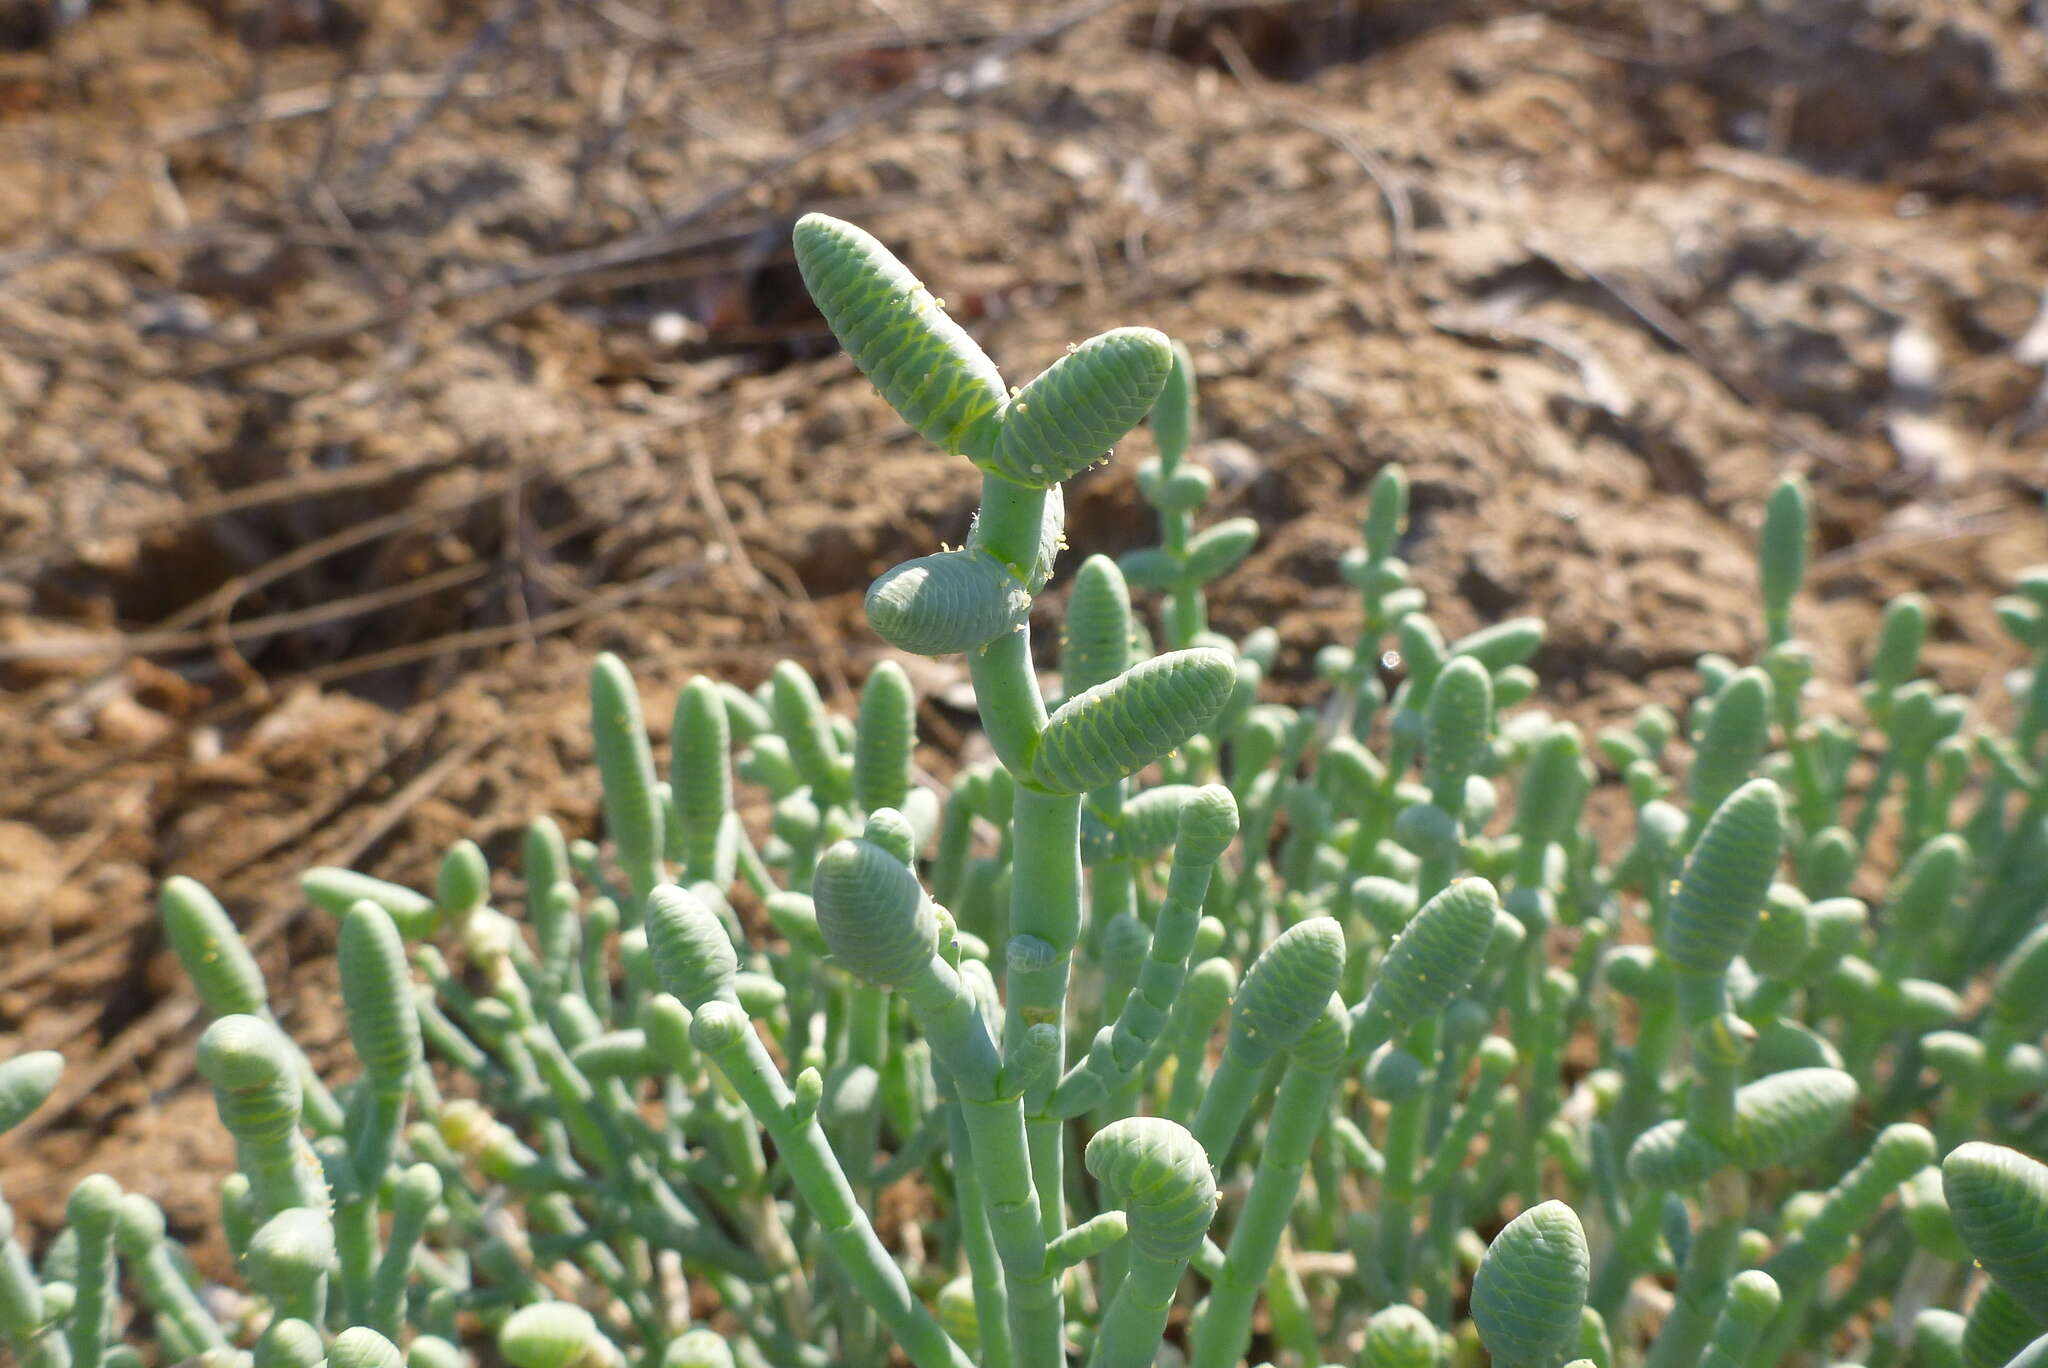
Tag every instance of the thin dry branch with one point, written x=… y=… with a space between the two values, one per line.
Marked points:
x=215 y=605
x=1909 y=538
x=542 y=280
x=494 y=32
x=137 y=1039
x=48 y=961
x=416 y=790
x=410 y=732
x=1393 y=194
x=545 y=625
x=255 y=629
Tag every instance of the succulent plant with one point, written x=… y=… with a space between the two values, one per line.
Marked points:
x=1315 y=996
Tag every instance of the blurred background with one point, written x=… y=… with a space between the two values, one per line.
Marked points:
x=366 y=365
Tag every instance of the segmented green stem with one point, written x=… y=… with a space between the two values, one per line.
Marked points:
x=696 y=963
x=1207 y=824
x=256 y=1088
x=700 y=776
x=90 y=1213
x=21 y=1294
x=414 y=1197
x=1281 y=999
x=1161 y=1177
x=1799 y=1270
x=376 y=988
x=1299 y=1109
x=1752 y=1301
x=221 y=967
x=625 y=762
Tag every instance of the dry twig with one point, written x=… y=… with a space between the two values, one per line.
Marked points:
x=544 y=279
x=1393 y=194
x=508 y=16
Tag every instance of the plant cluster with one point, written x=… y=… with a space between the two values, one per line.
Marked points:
x=1191 y=1028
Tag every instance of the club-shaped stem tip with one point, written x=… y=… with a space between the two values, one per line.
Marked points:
x=1153 y=1168
x=874 y=916
x=1531 y=1286
x=693 y=955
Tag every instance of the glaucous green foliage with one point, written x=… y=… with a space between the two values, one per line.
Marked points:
x=1193 y=1029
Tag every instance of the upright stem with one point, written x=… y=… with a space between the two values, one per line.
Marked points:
x=1186 y=613
x=1298 y=1113
x=355 y=1240
x=1643 y=1080
x=1113 y=889
x=1226 y=1101
x=867 y=1037
x=843 y=1225
x=984 y=1264
x=1129 y=1332
x=1045 y=903
x=1006 y=689
x=1703 y=1283
x=1874 y=796
x=1005 y=683
x=1631 y=1252
x=1404 y=1151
